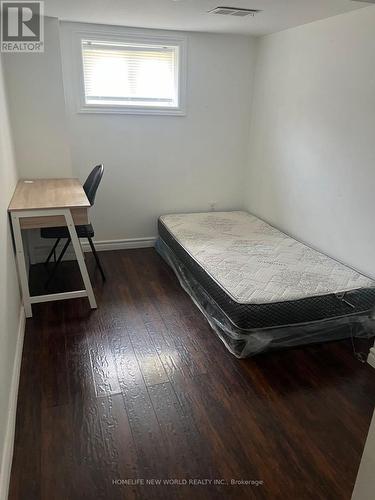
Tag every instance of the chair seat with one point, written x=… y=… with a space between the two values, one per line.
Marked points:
x=85 y=231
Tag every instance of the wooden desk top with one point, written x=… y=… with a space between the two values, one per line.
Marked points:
x=39 y=194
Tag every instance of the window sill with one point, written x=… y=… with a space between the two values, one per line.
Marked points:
x=127 y=110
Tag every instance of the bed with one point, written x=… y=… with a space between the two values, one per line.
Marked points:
x=259 y=288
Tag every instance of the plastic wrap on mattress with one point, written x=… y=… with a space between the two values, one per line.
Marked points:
x=244 y=343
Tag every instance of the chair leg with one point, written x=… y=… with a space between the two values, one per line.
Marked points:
x=57 y=262
x=52 y=252
x=96 y=258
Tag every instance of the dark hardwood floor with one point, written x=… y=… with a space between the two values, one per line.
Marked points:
x=142 y=389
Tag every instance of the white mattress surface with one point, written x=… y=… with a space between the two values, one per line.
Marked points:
x=255 y=263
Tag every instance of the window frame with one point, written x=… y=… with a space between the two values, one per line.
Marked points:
x=130 y=37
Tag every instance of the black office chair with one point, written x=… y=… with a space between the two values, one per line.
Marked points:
x=84 y=231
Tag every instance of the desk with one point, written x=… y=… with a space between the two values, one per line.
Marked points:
x=41 y=203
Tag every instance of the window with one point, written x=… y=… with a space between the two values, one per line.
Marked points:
x=132 y=75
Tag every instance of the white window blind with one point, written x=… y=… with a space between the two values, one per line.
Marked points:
x=130 y=74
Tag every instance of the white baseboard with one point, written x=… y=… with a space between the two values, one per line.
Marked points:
x=6 y=462
x=40 y=252
x=371 y=357
x=127 y=244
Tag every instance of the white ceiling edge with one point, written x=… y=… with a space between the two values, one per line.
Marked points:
x=192 y=15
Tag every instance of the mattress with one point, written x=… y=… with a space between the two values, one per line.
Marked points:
x=260 y=277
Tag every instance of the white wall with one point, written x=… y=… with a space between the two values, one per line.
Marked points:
x=364 y=488
x=37 y=109
x=162 y=164
x=9 y=293
x=153 y=164
x=311 y=165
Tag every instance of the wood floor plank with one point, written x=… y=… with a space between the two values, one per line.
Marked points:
x=103 y=364
x=147 y=436
x=187 y=457
x=120 y=450
x=170 y=341
x=57 y=454
x=148 y=357
x=28 y=438
x=80 y=377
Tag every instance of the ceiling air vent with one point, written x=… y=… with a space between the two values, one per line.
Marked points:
x=234 y=11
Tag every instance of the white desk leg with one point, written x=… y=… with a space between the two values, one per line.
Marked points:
x=81 y=261
x=22 y=272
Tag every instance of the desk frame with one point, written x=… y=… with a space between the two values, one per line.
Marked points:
x=21 y=264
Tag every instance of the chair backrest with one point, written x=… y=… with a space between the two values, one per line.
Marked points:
x=92 y=183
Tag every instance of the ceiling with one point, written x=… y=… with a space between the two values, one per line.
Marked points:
x=191 y=15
